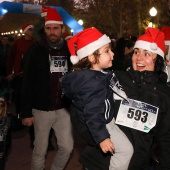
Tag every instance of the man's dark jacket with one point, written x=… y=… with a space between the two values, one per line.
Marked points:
x=36 y=87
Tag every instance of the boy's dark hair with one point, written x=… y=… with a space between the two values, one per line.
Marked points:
x=85 y=64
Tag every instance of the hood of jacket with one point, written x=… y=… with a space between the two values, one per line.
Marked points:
x=73 y=81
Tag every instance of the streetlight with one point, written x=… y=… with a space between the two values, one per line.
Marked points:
x=80 y=22
x=152 y=12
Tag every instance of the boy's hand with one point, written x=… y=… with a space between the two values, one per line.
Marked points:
x=107 y=146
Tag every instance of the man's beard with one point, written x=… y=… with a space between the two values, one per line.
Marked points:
x=54 y=39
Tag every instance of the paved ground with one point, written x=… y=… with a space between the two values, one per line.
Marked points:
x=20 y=156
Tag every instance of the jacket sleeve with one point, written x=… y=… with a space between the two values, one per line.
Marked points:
x=93 y=95
x=11 y=58
x=163 y=138
x=27 y=84
x=8 y=135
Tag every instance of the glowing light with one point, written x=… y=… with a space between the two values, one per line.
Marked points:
x=153 y=11
x=150 y=24
x=80 y=22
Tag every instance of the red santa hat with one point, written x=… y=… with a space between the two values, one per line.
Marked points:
x=53 y=17
x=67 y=36
x=152 y=40
x=27 y=26
x=166 y=31
x=44 y=10
x=86 y=42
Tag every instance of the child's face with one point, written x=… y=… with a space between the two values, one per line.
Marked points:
x=105 y=58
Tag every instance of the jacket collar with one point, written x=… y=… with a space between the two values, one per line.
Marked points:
x=149 y=77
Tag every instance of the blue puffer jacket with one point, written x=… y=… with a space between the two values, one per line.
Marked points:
x=89 y=90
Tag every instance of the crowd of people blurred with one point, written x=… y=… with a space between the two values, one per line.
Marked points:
x=30 y=71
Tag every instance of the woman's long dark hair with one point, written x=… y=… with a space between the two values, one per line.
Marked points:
x=159 y=64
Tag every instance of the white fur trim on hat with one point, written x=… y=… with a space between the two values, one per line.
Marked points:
x=53 y=22
x=27 y=28
x=149 y=46
x=68 y=37
x=74 y=59
x=167 y=42
x=90 y=48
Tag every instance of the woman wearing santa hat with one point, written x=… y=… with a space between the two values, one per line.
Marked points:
x=145 y=117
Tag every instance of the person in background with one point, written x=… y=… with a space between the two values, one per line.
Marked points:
x=145 y=118
x=133 y=38
x=38 y=31
x=4 y=51
x=67 y=36
x=5 y=133
x=88 y=86
x=11 y=40
x=43 y=103
x=14 y=63
x=166 y=31
x=123 y=47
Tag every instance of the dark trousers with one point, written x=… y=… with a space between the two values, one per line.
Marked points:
x=16 y=85
x=2 y=163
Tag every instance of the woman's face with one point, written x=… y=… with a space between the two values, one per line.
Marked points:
x=143 y=60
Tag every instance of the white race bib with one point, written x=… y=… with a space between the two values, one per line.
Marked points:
x=137 y=115
x=58 y=64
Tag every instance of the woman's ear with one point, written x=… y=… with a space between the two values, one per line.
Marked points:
x=91 y=58
x=154 y=57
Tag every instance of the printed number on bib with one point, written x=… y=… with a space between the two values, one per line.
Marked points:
x=58 y=64
x=137 y=115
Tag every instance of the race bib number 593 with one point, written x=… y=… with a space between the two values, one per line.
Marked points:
x=137 y=115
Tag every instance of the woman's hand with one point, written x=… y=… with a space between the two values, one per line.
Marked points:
x=107 y=146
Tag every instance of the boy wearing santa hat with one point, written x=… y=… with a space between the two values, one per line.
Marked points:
x=91 y=90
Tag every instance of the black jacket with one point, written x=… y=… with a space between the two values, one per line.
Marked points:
x=6 y=130
x=36 y=86
x=151 y=88
x=88 y=89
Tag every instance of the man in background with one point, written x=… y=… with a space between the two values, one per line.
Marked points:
x=43 y=103
x=4 y=50
x=14 y=63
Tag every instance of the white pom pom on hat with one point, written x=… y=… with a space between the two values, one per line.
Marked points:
x=44 y=10
x=152 y=40
x=153 y=46
x=74 y=59
x=85 y=43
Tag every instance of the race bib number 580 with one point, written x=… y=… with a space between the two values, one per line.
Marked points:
x=137 y=115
